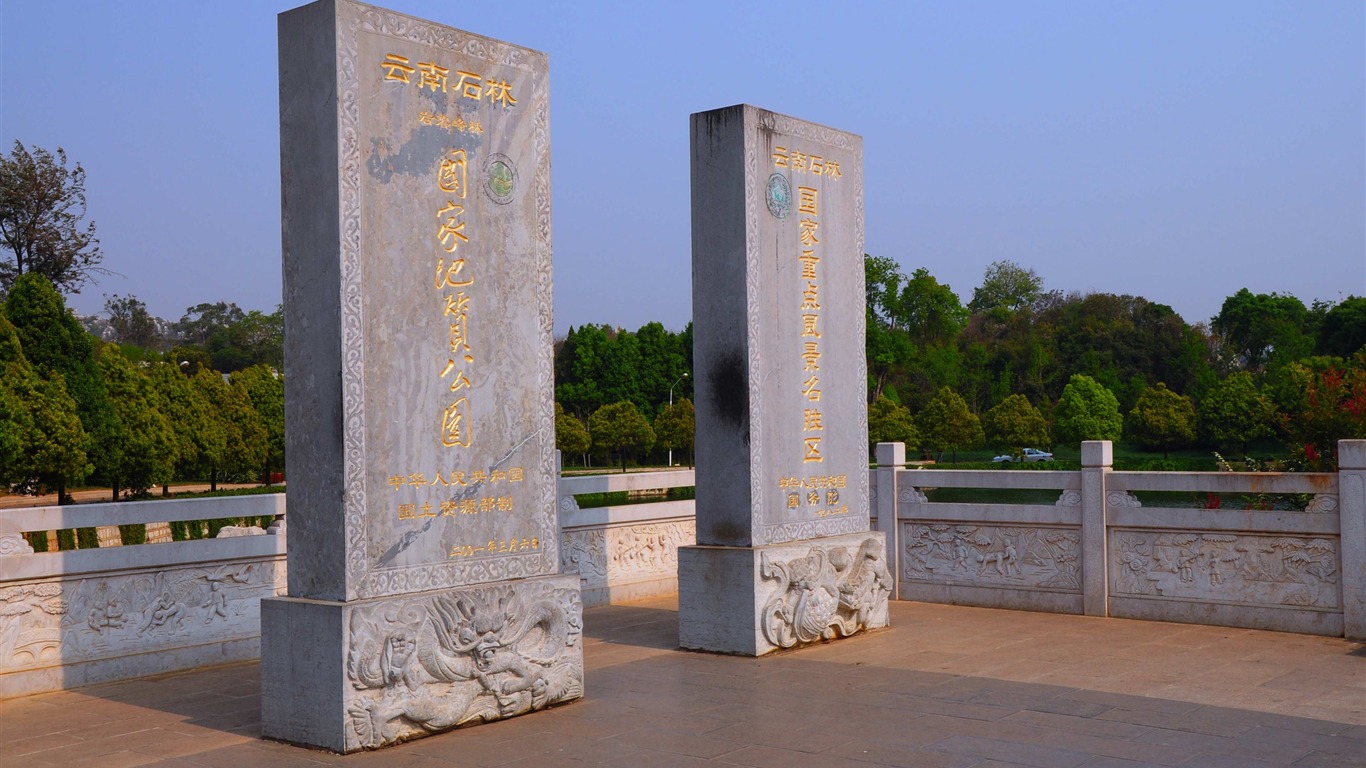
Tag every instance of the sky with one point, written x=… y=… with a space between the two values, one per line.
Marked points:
x=1177 y=151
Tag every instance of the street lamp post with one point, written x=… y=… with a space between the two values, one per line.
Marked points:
x=671 y=405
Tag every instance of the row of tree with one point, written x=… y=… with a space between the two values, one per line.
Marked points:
x=1044 y=366
x=620 y=428
x=74 y=409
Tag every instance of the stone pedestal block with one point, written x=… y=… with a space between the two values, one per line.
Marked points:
x=348 y=676
x=751 y=601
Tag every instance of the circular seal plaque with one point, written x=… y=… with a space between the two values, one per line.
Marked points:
x=500 y=178
x=778 y=195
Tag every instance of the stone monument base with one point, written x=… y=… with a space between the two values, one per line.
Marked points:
x=753 y=600
x=368 y=673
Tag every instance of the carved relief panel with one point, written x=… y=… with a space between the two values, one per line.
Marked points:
x=992 y=555
x=61 y=622
x=1269 y=570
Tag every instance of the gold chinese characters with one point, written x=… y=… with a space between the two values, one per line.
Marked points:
x=497 y=547
x=433 y=77
x=808 y=227
x=801 y=162
x=450 y=278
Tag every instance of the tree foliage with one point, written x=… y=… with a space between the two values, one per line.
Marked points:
x=1161 y=420
x=1260 y=329
x=571 y=436
x=946 y=424
x=1006 y=285
x=1332 y=408
x=1342 y=331
x=675 y=425
x=55 y=343
x=1234 y=413
x=264 y=389
x=235 y=440
x=1086 y=411
x=42 y=203
x=144 y=450
x=1015 y=423
x=891 y=423
x=42 y=442
x=620 y=427
x=131 y=322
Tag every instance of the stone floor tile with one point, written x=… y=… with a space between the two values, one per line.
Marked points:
x=775 y=757
x=1329 y=760
x=1009 y=751
x=894 y=754
x=1074 y=724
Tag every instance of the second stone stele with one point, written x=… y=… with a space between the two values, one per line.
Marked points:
x=785 y=556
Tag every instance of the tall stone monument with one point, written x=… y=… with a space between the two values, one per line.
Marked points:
x=784 y=554
x=423 y=593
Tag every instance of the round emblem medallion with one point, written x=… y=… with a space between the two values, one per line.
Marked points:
x=778 y=194
x=500 y=178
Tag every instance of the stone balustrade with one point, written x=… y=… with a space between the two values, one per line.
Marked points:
x=78 y=617
x=627 y=552
x=1101 y=551
x=85 y=616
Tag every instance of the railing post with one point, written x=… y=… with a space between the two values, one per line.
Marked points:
x=1097 y=456
x=891 y=457
x=1352 y=535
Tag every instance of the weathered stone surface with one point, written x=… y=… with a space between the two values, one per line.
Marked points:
x=418 y=386
x=755 y=600
x=419 y=377
x=778 y=308
x=368 y=673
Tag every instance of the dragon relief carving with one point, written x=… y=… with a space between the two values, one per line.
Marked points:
x=435 y=663
x=828 y=593
x=1266 y=570
x=1046 y=558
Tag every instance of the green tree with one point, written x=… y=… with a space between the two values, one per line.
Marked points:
x=42 y=442
x=188 y=411
x=620 y=427
x=571 y=436
x=1342 y=332
x=675 y=426
x=201 y=322
x=1332 y=407
x=1263 y=329
x=146 y=444
x=1161 y=420
x=891 y=423
x=1006 y=285
x=131 y=322
x=235 y=439
x=1234 y=413
x=264 y=388
x=53 y=341
x=1087 y=411
x=42 y=203
x=1015 y=423
x=946 y=424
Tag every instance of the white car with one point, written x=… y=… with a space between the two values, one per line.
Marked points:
x=1030 y=454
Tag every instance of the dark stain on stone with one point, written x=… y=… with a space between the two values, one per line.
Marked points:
x=730 y=392
x=727 y=531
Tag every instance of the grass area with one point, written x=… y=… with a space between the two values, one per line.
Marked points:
x=623 y=498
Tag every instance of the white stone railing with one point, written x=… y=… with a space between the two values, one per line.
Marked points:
x=626 y=552
x=1098 y=550
x=84 y=616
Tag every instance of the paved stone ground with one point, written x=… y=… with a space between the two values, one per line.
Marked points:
x=945 y=686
